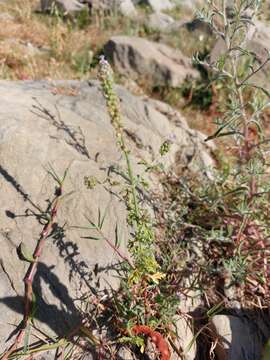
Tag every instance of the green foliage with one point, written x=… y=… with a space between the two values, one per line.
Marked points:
x=230 y=210
x=82 y=61
x=141 y=244
x=199 y=92
x=144 y=297
x=83 y=18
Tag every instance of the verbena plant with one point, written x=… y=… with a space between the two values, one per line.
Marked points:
x=144 y=304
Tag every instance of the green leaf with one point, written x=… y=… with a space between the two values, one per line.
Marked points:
x=101 y=218
x=218 y=133
x=65 y=174
x=90 y=237
x=24 y=254
x=53 y=174
x=117 y=240
x=26 y=339
x=94 y=226
x=215 y=309
x=221 y=62
x=84 y=227
x=102 y=221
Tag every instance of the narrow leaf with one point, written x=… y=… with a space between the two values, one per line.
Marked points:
x=103 y=218
x=90 y=237
x=117 y=241
x=92 y=223
x=26 y=339
x=218 y=134
x=83 y=227
x=99 y=218
x=65 y=174
x=53 y=174
x=215 y=309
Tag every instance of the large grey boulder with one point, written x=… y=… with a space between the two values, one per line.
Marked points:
x=154 y=62
x=65 y=124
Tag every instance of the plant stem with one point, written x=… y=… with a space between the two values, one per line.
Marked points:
x=132 y=181
x=29 y=277
x=119 y=253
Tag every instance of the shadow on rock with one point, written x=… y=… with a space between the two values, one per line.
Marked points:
x=59 y=318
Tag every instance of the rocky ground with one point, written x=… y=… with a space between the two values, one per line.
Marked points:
x=57 y=117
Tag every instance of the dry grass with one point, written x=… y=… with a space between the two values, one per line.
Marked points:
x=38 y=46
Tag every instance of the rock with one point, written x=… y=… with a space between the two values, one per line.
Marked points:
x=259 y=40
x=66 y=125
x=158 y=5
x=239 y=338
x=165 y=23
x=157 y=63
x=127 y=8
x=197 y=25
x=160 y=21
x=67 y=6
x=132 y=86
x=183 y=342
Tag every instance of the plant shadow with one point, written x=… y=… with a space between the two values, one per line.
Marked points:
x=60 y=319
